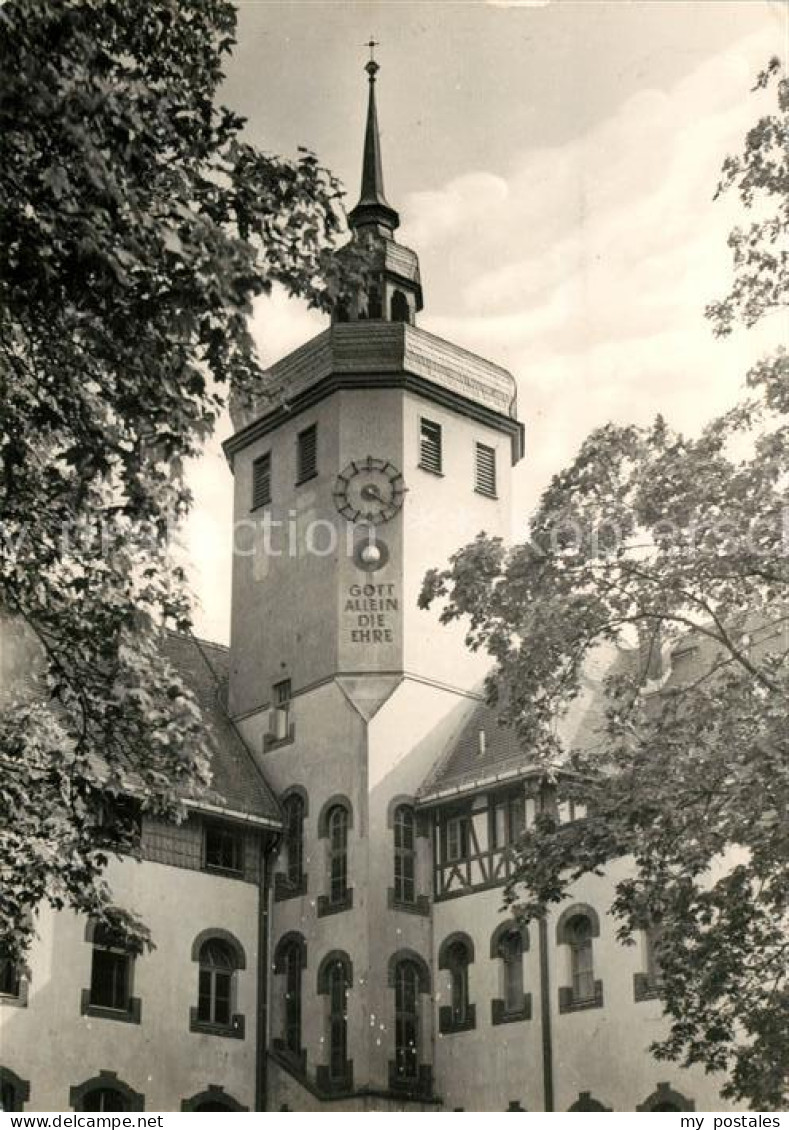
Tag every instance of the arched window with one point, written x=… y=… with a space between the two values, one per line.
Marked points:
x=294 y=839
x=219 y=956
x=579 y=930
x=511 y=953
x=665 y=1098
x=14 y=1092
x=508 y=944
x=404 y=855
x=104 y=1098
x=455 y=955
x=215 y=991
x=399 y=307
x=212 y=1099
x=576 y=929
x=337 y=822
x=290 y=960
x=105 y=1092
x=407 y=1026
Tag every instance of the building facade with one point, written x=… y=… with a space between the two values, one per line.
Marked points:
x=328 y=922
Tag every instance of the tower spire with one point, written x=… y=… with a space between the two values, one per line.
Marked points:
x=373 y=211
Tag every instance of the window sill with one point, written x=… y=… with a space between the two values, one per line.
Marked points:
x=334 y=1085
x=431 y=470
x=130 y=1015
x=225 y=872
x=420 y=906
x=234 y=1030
x=306 y=479
x=17 y=999
x=260 y=506
x=568 y=1003
x=296 y=1061
x=270 y=742
x=448 y=1026
x=645 y=988
x=498 y=1014
x=326 y=907
x=284 y=890
x=419 y=1086
x=486 y=494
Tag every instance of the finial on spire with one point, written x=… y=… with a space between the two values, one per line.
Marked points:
x=372 y=209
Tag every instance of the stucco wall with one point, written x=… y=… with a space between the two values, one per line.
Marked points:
x=53 y=1046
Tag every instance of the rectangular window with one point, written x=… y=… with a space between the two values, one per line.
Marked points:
x=9 y=975
x=307 y=454
x=109 y=982
x=261 y=481
x=280 y=715
x=457 y=838
x=224 y=849
x=509 y=818
x=430 y=454
x=485 y=470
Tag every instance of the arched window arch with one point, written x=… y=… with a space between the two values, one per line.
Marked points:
x=399 y=309
x=585 y=1102
x=456 y=955
x=665 y=1098
x=290 y=959
x=14 y=1092
x=404 y=822
x=577 y=927
x=335 y=977
x=213 y=1098
x=105 y=1092
x=294 y=809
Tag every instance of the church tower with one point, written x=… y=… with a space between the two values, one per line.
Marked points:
x=376 y=451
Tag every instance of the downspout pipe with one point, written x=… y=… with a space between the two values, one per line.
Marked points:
x=264 y=934
x=545 y=1018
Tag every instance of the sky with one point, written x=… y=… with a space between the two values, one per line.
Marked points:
x=554 y=165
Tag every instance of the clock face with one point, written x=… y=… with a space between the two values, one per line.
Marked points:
x=369 y=490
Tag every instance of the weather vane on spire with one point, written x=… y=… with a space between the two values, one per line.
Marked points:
x=372 y=67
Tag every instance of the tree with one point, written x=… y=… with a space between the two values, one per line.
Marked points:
x=649 y=538
x=136 y=227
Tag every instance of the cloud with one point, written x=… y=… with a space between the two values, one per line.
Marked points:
x=587 y=269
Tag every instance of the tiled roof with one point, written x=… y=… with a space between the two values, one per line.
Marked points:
x=237 y=783
x=472 y=761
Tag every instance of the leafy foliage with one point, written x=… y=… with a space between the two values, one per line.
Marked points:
x=136 y=227
x=649 y=546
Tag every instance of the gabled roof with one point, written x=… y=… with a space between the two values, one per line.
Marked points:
x=238 y=785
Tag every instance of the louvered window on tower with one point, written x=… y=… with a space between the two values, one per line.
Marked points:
x=307 y=458
x=430 y=458
x=485 y=470
x=261 y=481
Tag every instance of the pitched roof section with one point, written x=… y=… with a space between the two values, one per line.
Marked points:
x=486 y=753
x=472 y=760
x=237 y=785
